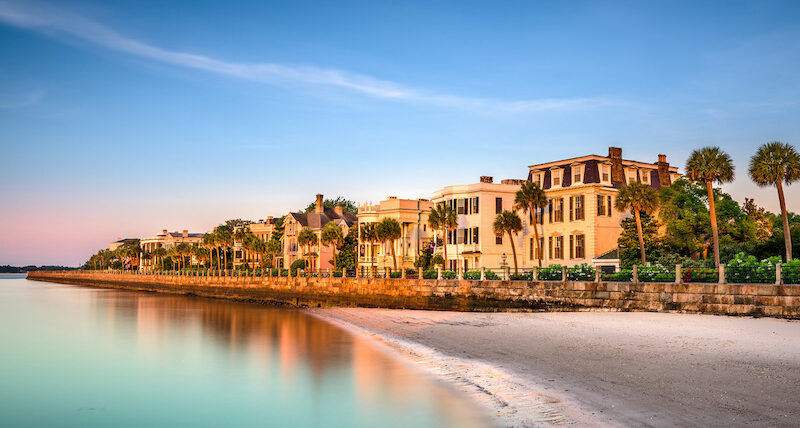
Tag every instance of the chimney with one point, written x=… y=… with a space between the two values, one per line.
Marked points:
x=164 y=232
x=617 y=172
x=319 y=208
x=185 y=233
x=663 y=171
x=269 y=219
x=486 y=179
x=339 y=210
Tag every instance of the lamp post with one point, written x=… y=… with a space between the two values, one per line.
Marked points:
x=504 y=266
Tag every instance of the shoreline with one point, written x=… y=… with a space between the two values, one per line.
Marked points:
x=600 y=368
x=508 y=400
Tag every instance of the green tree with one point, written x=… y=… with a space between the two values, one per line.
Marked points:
x=332 y=236
x=339 y=201
x=773 y=164
x=160 y=253
x=347 y=251
x=307 y=238
x=639 y=198
x=224 y=240
x=709 y=165
x=273 y=247
x=210 y=242
x=630 y=245
x=529 y=199
x=510 y=223
x=443 y=217
x=388 y=231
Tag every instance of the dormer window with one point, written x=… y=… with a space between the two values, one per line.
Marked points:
x=632 y=176
x=605 y=173
x=577 y=174
x=646 y=177
x=537 y=178
x=556 y=178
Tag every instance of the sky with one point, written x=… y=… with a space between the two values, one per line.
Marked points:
x=120 y=119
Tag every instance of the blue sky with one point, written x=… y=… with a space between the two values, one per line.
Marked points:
x=120 y=119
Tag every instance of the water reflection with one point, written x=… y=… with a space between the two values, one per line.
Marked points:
x=167 y=360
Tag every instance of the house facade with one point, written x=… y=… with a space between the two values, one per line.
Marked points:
x=319 y=256
x=580 y=223
x=412 y=214
x=262 y=230
x=473 y=243
x=166 y=240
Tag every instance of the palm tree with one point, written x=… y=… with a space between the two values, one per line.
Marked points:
x=209 y=241
x=332 y=236
x=508 y=222
x=224 y=234
x=241 y=235
x=638 y=197
x=773 y=164
x=273 y=247
x=707 y=165
x=389 y=230
x=444 y=218
x=369 y=235
x=160 y=253
x=528 y=199
x=307 y=238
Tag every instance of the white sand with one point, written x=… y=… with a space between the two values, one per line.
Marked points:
x=595 y=368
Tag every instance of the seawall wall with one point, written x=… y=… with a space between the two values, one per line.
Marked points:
x=461 y=295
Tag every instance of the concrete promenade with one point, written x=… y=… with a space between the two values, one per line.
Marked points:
x=463 y=295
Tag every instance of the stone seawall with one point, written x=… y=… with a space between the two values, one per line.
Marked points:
x=462 y=295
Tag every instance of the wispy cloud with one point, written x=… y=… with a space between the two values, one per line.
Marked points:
x=61 y=23
x=9 y=101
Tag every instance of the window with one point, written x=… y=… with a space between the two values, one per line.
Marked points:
x=460 y=235
x=579 y=214
x=646 y=177
x=601 y=205
x=556 y=178
x=475 y=205
x=475 y=235
x=631 y=176
x=537 y=178
x=580 y=246
x=577 y=174
x=606 y=173
x=461 y=206
x=424 y=227
x=550 y=246
x=559 y=247
x=540 y=248
x=608 y=207
x=498 y=240
x=530 y=253
x=558 y=210
x=498 y=205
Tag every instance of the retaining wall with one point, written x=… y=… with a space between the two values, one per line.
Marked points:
x=462 y=295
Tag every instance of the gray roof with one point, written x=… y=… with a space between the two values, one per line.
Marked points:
x=315 y=220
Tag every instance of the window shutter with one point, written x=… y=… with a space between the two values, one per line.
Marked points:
x=571 y=247
x=571 y=199
x=609 y=206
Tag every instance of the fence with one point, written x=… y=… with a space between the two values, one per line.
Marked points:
x=763 y=273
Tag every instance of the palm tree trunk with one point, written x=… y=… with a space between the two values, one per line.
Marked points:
x=513 y=252
x=394 y=257
x=712 y=210
x=787 y=236
x=444 y=245
x=639 y=232
x=536 y=236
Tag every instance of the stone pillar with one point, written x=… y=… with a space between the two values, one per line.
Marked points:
x=507 y=273
x=535 y=273
x=778 y=274
x=722 y=277
x=419 y=274
x=483 y=273
x=563 y=274
x=387 y=273
x=439 y=273
x=460 y=274
x=358 y=271
x=678 y=274
x=635 y=277
x=598 y=274
x=403 y=273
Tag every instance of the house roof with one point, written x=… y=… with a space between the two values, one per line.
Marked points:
x=609 y=255
x=315 y=220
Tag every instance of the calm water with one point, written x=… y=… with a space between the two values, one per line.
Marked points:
x=77 y=356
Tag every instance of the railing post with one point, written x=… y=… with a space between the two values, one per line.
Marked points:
x=778 y=274
x=387 y=273
x=535 y=273
x=722 y=277
x=563 y=274
x=598 y=274
x=483 y=273
x=635 y=277
x=678 y=274
x=419 y=274
x=460 y=274
x=507 y=273
x=439 y=273
x=403 y=273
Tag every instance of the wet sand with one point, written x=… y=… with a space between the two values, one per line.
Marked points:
x=602 y=368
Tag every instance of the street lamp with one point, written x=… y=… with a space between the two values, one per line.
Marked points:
x=503 y=263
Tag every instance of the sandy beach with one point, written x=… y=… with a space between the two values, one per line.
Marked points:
x=602 y=368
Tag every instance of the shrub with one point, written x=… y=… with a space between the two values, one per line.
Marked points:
x=656 y=273
x=448 y=274
x=472 y=274
x=397 y=274
x=746 y=269
x=701 y=274
x=791 y=272
x=581 y=272
x=337 y=273
x=298 y=264
x=430 y=274
x=623 y=275
x=550 y=273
